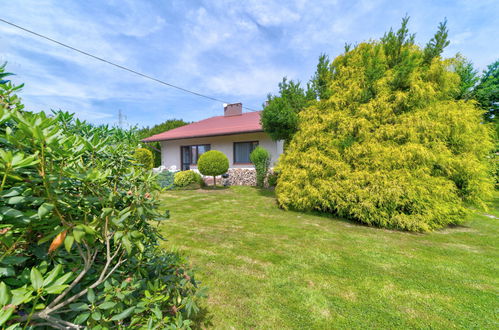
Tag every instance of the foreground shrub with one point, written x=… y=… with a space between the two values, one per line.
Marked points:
x=186 y=178
x=76 y=245
x=213 y=163
x=144 y=157
x=260 y=157
x=390 y=147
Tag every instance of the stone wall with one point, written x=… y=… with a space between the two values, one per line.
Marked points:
x=242 y=176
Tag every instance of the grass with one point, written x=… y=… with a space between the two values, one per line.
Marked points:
x=272 y=269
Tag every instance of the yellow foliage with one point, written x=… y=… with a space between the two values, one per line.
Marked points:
x=409 y=157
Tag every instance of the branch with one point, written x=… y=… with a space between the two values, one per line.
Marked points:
x=101 y=279
x=88 y=264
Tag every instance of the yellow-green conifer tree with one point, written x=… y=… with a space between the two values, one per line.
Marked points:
x=391 y=146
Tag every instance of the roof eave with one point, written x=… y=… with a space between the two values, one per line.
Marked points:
x=200 y=136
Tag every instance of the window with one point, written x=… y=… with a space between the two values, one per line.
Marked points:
x=191 y=154
x=242 y=151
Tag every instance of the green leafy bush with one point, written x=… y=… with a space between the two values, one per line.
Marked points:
x=213 y=163
x=272 y=179
x=144 y=157
x=165 y=179
x=260 y=157
x=187 y=178
x=76 y=244
x=390 y=147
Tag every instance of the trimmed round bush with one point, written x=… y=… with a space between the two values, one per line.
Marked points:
x=185 y=178
x=213 y=163
x=260 y=157
x=144 y=157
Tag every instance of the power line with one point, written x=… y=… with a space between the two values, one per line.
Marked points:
x=117 y=65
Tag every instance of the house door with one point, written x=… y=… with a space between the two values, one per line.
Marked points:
x=185 y=152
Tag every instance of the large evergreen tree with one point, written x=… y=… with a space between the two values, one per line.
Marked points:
x=487 y=92
x=156 y=129
x=391 y=146
x=280 y=115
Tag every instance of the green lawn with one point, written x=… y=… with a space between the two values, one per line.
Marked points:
x=272 y=269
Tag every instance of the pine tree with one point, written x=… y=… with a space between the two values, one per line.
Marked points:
x=436 y=45
x=321 y=79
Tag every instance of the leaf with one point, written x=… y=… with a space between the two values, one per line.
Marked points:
x=44 y=209
x=5 y=294
x=52 y=275
x=57 y=242
x=7 y=271
x=96 y=315
x=127 y=244
x=5 y=314
x=68 y=242
x=56 y=289
x=91 y=295
x=13 y=260
x=81 y=318
x=123 y=314
x=36 y=278
x=17 y=200
x=15 y=326
x=78 y=307
x=63 y=279
x=78 y=233
x=107 y=305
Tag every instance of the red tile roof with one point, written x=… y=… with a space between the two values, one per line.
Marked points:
x=220 y=125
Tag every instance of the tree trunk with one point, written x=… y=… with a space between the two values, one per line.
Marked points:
x=214 y=181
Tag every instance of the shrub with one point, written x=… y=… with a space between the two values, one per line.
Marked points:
x=213 y=163
x=260 y=157
x=76 y=243
x=165 y=179
x=144 y=157
x=272 y=179
x=186 y=178
x=390 y=147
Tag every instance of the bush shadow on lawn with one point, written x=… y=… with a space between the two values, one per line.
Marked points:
x=270 y=193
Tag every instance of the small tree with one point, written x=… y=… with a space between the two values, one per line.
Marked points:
x=144 y=157
x=260 y=157
x=213 y=163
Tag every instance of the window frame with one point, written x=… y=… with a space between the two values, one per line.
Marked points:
x=234 y=152
x=190 y=150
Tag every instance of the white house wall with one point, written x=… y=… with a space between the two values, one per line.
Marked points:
x=170 y=150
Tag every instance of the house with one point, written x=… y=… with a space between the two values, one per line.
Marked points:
x=235 y=134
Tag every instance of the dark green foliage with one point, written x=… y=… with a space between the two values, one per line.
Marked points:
x=437 y=44
x=272 y=179
x=165 y=179
x=144 y=157
x=396 y=44
x=487 y=92
x=157 y=129
x=76 y=243
x=260 y=157
x=280 y=116
x=319 y=83
x=213 y=163
x=468 y=76
x=187 y=178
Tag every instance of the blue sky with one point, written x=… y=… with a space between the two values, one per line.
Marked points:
x=232 y=50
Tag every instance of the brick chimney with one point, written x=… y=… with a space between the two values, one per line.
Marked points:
x=235 y=109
